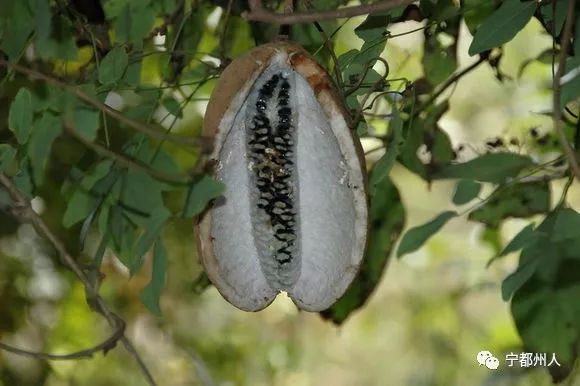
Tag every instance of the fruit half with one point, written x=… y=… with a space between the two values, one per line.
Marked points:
x=293 y=216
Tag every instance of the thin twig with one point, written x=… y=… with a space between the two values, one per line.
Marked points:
x=121 y=160
x=259 y=13
x=557 y=112
x=521 y=179
x=105 y=347
x=23 y=210
x=33 y=74
x=223 y=38
x=448 y=83
x=368 y=65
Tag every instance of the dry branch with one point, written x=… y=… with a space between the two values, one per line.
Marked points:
x=23 y=210
x=259 y=13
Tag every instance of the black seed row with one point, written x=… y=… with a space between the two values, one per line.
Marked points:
x=270 y=151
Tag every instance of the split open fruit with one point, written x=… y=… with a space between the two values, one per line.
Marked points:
x=293 y=216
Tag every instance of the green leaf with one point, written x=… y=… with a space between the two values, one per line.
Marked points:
x=20 y=115
x=438 y=65
x=141 y=195
x=476 y=12
x=42 y=19
x=83 y=202
x=417 y=236
x=100 y=171
x=566 y=225
x=576 y=44
x=133 y=73
x=423 y=130
x=387 y=219
x=46 y=130
x=570 y=82
x=561 y=11
x=86 y=122
x=440 y=45
x=22 y=179
x=502 y=25
x=384 y=165
x=519 y=200
x=7 y=156
x=153 y=228
x=113 y=65
x=200 y=194
x=19 y=27
x=524 y=238
x=491 y=167
x=357 y=63
x=57 y=38
x=142 y=20
x=548 y=318
x=528 y=264
x=173 y=106
x=156 y=157
x=79 y=206
x=554 y=242
x=152 y=292
x=373 y=31
x=465 y=191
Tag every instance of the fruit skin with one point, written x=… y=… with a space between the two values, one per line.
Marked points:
x=232 y=88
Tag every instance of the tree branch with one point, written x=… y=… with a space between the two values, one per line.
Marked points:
x=259 y=13
x=557 y=112
x=23 y=210
x=157 y=134
x=105 y=347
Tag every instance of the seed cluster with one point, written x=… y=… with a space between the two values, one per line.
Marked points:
x=271 y=152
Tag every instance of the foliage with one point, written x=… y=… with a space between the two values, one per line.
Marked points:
x=98 y=121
